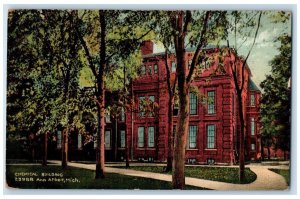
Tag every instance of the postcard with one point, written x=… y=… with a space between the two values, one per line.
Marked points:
x=148 y=100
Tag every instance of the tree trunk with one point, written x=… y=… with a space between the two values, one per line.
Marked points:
x=116 y=140
x=32 y=154
x=269 y=153
x=170 y=134
x=132 y=116
x=125 y=121
x=126 y=148
x=64 y=149
x=45 y=149
x=242 y=139
x=101 y=100
x=262 y=150
x=100 y=153
x=178 y=177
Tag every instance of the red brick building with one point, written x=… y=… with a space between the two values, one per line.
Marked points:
x=213 y=135
x=213 y=124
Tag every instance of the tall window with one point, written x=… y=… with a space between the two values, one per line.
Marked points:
x=192 y=137
x=107 y=116
x=149 y=70
x=211 y=136
x=141 y=136
x=79 y=141
x=175 y=108
x=211 y=102
x=141 y=107
x=122 y=116
x=122 y=138
x=252 y=100
x=173 y=68
x=143 y=70
x=189 y=63
x=253 y=147
x=151 y=136
x=155 y=69
x=252 y=126
x=107 y=140
x=193 y=104
x=58 y=139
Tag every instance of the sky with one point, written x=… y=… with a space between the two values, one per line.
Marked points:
x=264 y=50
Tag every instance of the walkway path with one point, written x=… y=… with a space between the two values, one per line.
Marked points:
x=266 y=179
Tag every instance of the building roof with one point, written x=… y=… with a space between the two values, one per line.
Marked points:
x=192 y=49
x=252 y=86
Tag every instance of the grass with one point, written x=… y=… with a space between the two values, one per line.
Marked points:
x=284 y=172
x=222 y=174
x=76 y=178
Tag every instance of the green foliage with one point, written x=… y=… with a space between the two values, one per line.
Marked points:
x=43 y=89
x=276 y=99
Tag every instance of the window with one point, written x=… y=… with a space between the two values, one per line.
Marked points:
x=149 y=70
x=211 y=102
x=141 y=136
x=152 y=98
x=143 y=70
x=173 y=68
x=155 y=69
x=252 y=126
x=107 y=140
x=79 y=141
x=193 y=104
x=253 y=147
x=107 y=116
x=175 y=108
x=252 y=100
x=58 y=139
x=122 y=138
x=122 y=116
x=151 y=136
x=210 y=136
x=141 y=107
x=189 y=63
x=192 y=137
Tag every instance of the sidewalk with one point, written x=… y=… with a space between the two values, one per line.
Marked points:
x=266 y=180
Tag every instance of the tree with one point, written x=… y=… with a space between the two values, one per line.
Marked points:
x=241 y=25
x=276 y=99
x=106 y=36
x=52 y=68
x=186 y=29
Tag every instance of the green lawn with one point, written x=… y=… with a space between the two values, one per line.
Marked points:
x=284 y=172
x=221 y=174
x=76 y=178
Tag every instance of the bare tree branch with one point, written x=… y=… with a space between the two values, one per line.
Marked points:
x=245 y=61
x=199 y=46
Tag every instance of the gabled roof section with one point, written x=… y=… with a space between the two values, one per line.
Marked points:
x=252 y=86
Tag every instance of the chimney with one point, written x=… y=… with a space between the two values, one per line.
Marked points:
x=147 y=47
